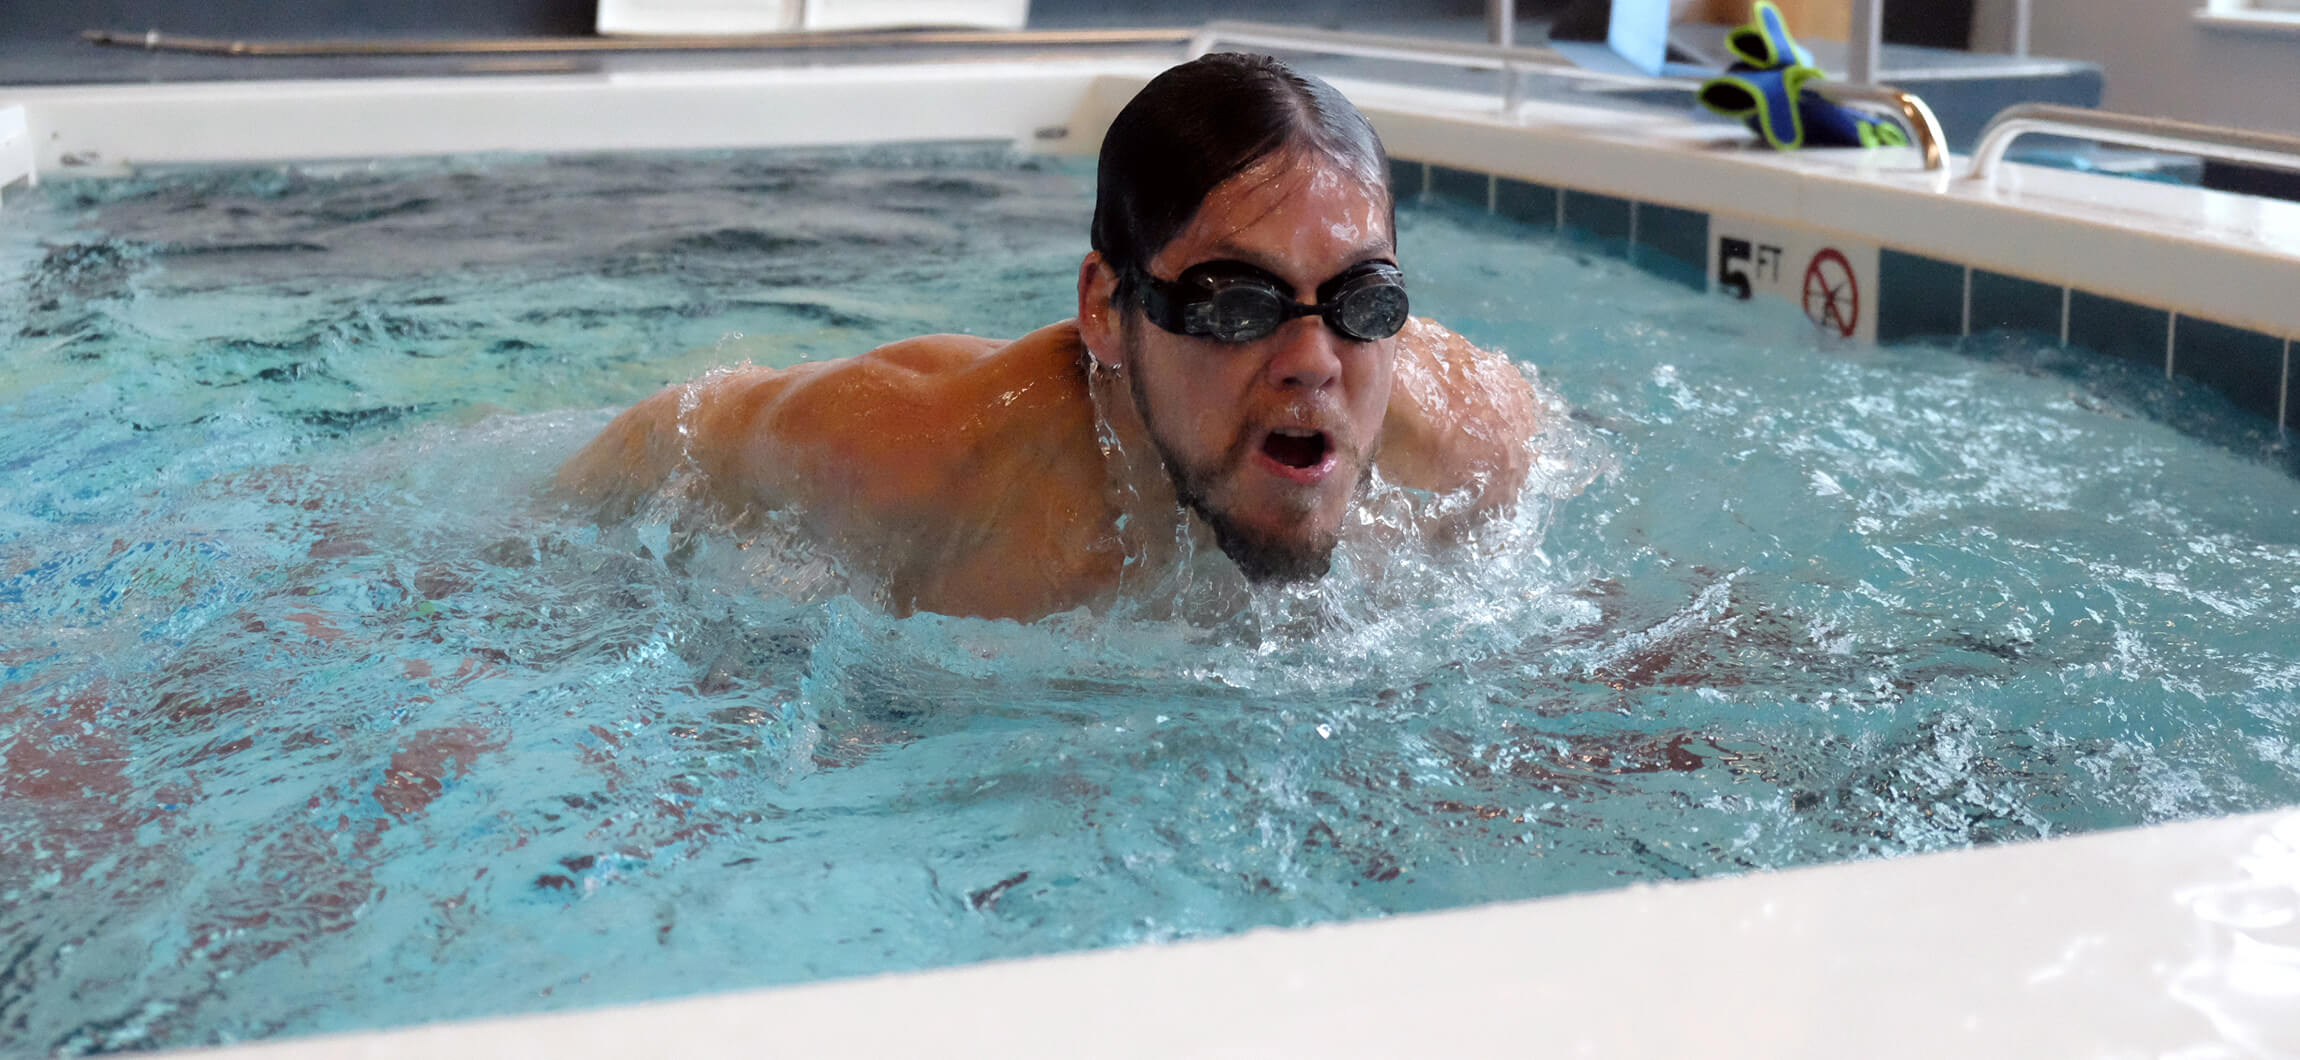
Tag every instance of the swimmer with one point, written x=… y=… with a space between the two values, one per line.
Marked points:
x=1242 y=365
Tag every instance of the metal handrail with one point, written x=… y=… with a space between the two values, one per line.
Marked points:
x=171 y=42
x=1510 y=61
x=2218 y=143
x=1549 y=63
x=1468 y=54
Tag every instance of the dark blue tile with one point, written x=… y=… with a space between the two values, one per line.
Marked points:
x=2117 y=328
x=2009 y=303
x=1405 y=179
x=1673 y=244
x=1534 y=204
x=1601 y=221
x=2245 y=366
x=1450 y=183
x=1918 y=297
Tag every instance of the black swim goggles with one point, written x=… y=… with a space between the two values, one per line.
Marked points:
x=1231 y=301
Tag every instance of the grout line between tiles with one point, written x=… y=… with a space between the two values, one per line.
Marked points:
x=2171 y=328
x=1965 y=312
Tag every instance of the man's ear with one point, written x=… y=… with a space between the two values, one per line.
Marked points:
x=1098 y=314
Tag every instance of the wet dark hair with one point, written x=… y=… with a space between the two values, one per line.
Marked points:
x=1201 y=123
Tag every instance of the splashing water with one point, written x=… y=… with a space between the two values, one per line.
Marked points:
x=314 y=717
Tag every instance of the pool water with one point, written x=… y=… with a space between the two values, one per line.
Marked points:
x=315 y=716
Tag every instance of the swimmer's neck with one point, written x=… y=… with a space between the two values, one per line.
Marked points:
x=1154 y=527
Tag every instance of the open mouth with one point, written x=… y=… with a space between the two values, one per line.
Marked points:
x=1297 y=448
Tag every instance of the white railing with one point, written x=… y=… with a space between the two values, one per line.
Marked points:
x=2214 y=142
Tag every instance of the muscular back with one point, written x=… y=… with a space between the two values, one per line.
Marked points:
x=960 y=474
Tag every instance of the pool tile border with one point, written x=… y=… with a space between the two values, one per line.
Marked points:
x=2252 y=369
x=1919 y=297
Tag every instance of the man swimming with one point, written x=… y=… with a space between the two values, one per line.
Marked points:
x=1241 y=367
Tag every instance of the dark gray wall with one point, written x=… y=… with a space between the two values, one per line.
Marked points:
x=62 y=20
x=27 y=20
x=1937 y=22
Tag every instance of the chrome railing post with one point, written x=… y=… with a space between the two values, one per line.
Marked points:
x=1865 y=45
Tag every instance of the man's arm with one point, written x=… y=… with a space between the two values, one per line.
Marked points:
x=1460 y=419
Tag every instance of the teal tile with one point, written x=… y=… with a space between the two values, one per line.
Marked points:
x=1518 y=200
x=2117 y=328
x=1602 y=221
x=1918 y=297
x=2246 y=367
x=1464 y=185
x=1405 y=179
x=1673 y=244
x=2011 y=304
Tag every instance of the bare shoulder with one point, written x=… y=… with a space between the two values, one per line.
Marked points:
x=861 y=434
x=1459 y=416
x=903 y=424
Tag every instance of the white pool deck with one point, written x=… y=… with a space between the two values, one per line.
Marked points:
x=2175 y=941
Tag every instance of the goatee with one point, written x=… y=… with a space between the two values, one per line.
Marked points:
x=1262 y=558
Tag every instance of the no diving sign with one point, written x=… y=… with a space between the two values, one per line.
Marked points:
x=1832 y=293
x=1831 y=279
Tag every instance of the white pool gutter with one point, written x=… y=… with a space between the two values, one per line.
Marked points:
x=2176 y=941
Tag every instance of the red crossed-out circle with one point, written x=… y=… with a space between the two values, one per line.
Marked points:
x=1832 y=296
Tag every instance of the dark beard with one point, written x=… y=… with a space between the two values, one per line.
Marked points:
x=1261 y=558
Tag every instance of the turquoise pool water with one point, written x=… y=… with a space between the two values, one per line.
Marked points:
x=314 y=717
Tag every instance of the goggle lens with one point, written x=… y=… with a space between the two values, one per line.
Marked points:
x=1373 y=311
x=1234 y=302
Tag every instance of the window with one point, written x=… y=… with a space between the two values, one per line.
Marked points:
x=2265 y=15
